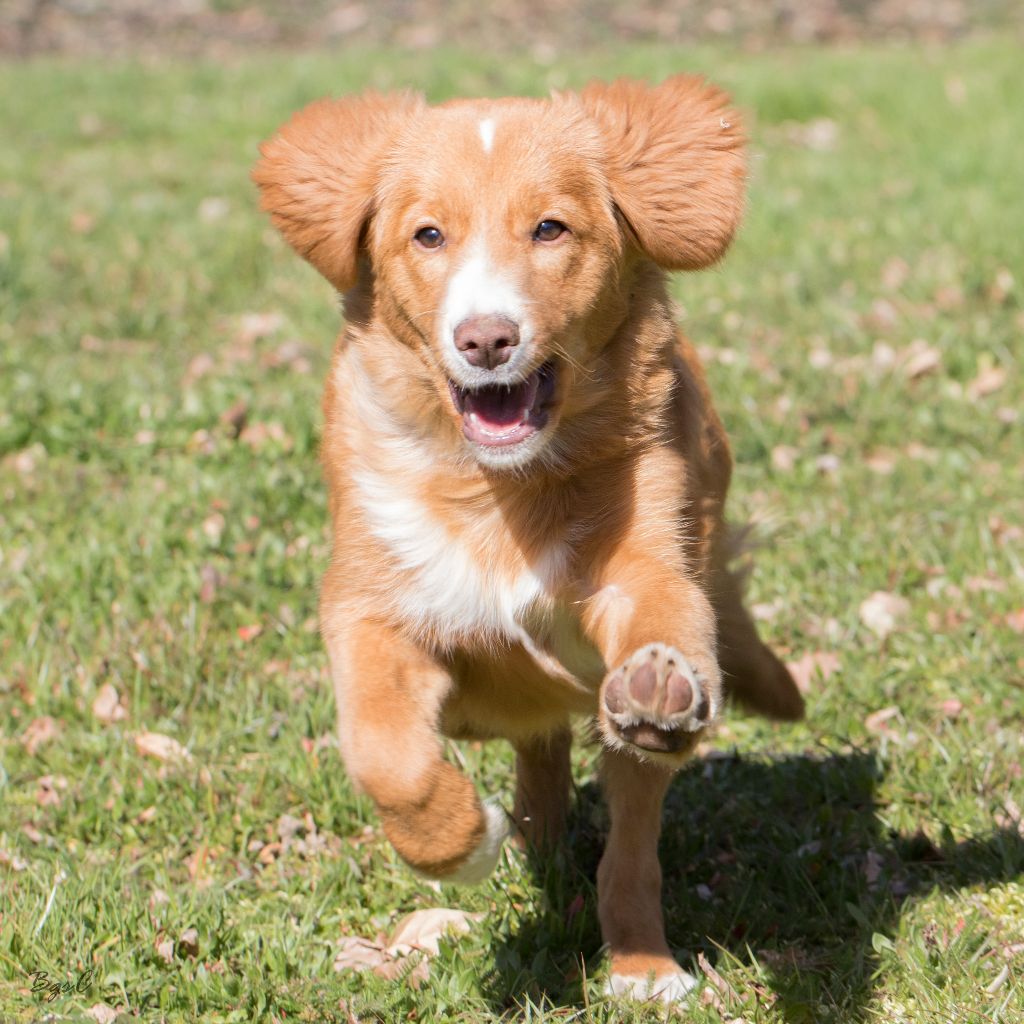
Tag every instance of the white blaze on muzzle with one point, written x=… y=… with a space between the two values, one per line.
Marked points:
x=478 y=288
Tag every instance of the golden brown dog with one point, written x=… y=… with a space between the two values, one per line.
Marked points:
x=526 y=474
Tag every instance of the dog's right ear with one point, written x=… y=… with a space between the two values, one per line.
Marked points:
x=318 y=175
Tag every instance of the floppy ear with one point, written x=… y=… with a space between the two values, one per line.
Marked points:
x=676 y=165
x=318 y=174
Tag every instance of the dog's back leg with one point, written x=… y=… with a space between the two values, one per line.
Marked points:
x=751 y=672
x=543 y=783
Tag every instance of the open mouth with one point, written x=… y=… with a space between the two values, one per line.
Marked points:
x=498 y=415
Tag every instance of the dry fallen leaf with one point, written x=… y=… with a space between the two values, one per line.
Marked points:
x=920 y=358
x=952 y=707
x=357 y=954
x=252 y=326
x=163 y=748
x=422 y=929
x=882 y=611
x=165 y=950
x=50 y=789
x=784 y=457
x=720 y=985
x=881 y=461
x=101 y=1013
x=39 y=732
x=107 y=706
x=416 y=938
x=188 y=942
x=12 y=860
x=989 y=380
x=815 y=665
x=877 y=721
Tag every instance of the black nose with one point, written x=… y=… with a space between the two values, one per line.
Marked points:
x=486 y=341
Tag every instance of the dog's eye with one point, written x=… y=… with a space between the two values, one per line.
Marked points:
x=549 y=230
x=429 y=238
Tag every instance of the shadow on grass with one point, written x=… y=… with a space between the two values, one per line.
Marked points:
x=787 y=858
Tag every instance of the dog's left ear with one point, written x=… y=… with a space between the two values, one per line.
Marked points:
x=675 y=164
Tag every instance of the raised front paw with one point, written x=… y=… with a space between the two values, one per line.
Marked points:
x=656 y=701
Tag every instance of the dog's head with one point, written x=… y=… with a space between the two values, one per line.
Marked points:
x=495 y=234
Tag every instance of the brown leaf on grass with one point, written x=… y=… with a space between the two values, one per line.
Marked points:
x=107 y=706
x=952 y=707
x=880 y=461
x=50 y=788
x=877 y=721
x=253 y=326
x=198 y=366
x=35 y=836
x=11 y=860
x=812 y=667
x=1010 y=817
x=39 y=732
x=235 y=417
x=259 y=435
x=784 y=457
x=894 y=274
x=882 y=611
x=717 y=982
x=101 y=1013
x=919 y=359
x=188 y=942
x=213 y=527
x=165 y=949
x=358 y=954
x=291 y=354
x=197 y=864
x=423 y=929
x=988 y=381
x=210 y=580
x=405 y=955
x=161 y=747
x=1002 y=285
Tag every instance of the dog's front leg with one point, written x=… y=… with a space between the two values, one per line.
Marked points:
x=389 y=694
x=655 y=629
x=629 y=884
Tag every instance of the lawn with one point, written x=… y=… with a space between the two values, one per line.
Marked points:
x=174 y=816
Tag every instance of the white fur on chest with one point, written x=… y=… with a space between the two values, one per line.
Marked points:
x=451 y=588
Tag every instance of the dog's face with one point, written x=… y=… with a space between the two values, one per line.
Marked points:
x=496 y=232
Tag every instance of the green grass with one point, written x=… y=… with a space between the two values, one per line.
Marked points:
x=831 y=873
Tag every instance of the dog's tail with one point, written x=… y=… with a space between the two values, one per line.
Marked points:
x=752 y=673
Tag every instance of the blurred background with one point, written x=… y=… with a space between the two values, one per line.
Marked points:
x=544 y=27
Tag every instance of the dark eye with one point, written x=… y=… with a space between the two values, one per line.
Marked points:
x=549 y=230
x=429 y=238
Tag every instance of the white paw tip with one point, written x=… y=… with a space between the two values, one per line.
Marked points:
x=482 y=861
x=669 y=988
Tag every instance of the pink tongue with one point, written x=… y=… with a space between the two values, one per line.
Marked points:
x=497 y=407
